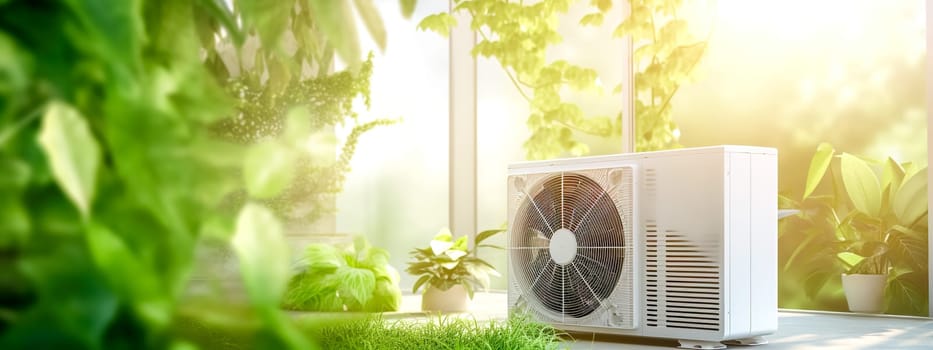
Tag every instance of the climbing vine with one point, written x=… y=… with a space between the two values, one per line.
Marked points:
x=665 y=55
x=517 y=35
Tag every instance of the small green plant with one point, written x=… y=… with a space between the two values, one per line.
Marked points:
x=438 y=333
x=873 y=222
x=446 y=263
x=352 y=278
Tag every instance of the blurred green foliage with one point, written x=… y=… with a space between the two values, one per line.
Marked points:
x=336 y=278
x=270 y=81
x=873 y=220
x=113 y=169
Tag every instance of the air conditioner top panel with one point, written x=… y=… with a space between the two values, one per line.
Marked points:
x=607 y=161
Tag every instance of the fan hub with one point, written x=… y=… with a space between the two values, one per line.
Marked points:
x=563 y=246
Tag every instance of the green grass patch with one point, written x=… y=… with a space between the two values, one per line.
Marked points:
x=216 y=325
x=443 y=332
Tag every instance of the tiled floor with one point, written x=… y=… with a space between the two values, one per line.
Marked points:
x=796 y=330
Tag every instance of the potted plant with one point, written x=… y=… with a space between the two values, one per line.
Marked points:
x=450 y=271
x=873 y=227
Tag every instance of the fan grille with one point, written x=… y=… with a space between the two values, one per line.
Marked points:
x=576 y=203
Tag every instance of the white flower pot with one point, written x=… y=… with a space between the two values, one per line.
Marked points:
x=454 y=299
x=865 y=293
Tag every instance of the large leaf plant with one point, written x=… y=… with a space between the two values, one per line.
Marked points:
x=344 y=278
x=111 y=171
x=872 y=221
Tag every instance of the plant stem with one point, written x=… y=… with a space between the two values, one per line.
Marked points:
x=508 y=73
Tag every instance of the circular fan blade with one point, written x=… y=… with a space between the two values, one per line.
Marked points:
x=568 y=202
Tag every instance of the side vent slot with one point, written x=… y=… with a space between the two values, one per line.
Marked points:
x=651 y=274
x=691 y=284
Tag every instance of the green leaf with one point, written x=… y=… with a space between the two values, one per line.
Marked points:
x=906 y=294
x=113 y=31
x=120 y=265
x=816 y=280
x=219 y=11
x=74 y=304
x=592 y=19
x=267 y=18
x=16 y=173
x=376 y=258
x=358 y=283
x=861 y=185
x=408 y=7
x=335 y=20
x=420 y=282
x=73 y=153
x=907 y=247
x=479 y=274
x=910 y=201
x=386 y=297
x=14 y=70
x=14 y=223
x=219 y=227
x=455 y=254
x=482 y=236
x=461 y=244
x=444 y=235
x=323 y=257
x=602 y=5
x=892 y=174
x=268 y=168
x=818 y=166
x=263 y=255
x=850 y=259
x=440 y=23
x=373 y=21
x=439 y=247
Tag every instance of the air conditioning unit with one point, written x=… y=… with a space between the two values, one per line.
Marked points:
x=678 y=244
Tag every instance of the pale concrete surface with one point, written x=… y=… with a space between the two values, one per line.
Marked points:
x=797 y=330
x=806 y=331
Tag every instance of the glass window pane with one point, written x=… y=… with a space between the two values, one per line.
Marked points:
x=397 y=193
x=794 y=74
x=504 y=113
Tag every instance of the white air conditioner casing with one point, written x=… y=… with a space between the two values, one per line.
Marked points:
x=678 y=244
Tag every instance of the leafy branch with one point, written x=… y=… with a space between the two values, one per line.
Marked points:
x=517 y=35
x=665 y=55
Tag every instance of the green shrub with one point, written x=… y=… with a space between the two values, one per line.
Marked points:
x=355 y=278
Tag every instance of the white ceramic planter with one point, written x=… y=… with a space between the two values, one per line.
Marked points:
x=454 y=299
x=865 y=293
